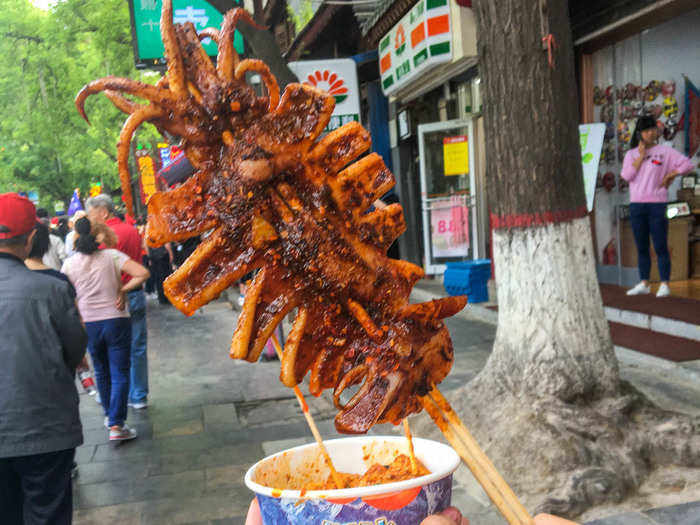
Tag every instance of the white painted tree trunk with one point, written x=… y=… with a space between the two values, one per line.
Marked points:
x=553 y=338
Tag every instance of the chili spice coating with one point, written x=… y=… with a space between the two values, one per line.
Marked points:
x=281 y=198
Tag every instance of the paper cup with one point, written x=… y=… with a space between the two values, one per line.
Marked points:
x=398 y=503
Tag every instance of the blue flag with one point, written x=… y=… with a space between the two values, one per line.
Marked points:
x=75 y=204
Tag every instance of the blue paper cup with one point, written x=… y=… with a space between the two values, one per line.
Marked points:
x=399 y=503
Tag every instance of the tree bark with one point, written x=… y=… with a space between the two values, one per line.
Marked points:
x=552 y=336
x=530 y=112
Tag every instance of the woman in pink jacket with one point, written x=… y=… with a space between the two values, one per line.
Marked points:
x=650 y=168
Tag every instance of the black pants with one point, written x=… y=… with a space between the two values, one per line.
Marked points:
x=37 y=489
x=160 y=268
x=150 y=282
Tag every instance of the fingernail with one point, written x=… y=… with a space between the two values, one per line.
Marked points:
x=452 y=513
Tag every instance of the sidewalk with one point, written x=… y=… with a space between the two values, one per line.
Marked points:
x=210 y=418
x=673 y=386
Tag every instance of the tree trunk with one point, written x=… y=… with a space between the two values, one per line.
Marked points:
x=552 y=336
x=549 y=407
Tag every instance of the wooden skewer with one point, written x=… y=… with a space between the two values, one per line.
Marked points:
x=466 y=446
x=310 y=421
x=412 y=455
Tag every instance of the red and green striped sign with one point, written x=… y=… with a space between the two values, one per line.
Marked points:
x=421 y=40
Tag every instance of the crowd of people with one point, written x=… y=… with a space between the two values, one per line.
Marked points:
x=62 y=293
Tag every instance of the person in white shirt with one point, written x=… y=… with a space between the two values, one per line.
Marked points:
x=70 y=237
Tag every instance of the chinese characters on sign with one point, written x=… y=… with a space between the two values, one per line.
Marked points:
x=455 y=152
x=148 y=177
x=338 y=78
x=421 y=40
x=146 y=26
x=449 y=227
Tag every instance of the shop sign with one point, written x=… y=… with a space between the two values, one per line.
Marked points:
x=145 y=27
x=591 y=136
x=421 y=40
x=339 y=78
x=449 y=227
x=148 y=176
x=165 y=157
x=455 y=153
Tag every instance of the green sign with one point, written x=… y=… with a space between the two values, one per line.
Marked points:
x=145 y=23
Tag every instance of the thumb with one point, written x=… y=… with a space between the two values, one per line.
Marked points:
x=449 y=516
x=254 y=517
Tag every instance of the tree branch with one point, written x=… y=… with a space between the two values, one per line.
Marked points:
x=19 y=36
x=111 y=156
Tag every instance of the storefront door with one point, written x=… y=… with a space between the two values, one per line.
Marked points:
x=448 y=191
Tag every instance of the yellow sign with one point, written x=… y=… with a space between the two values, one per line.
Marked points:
x=148 y=176
x=455 y=152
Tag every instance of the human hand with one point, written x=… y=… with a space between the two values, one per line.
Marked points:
x=668 y=179
x=548 y=519
x=121 y=301
x=449 y=516
x=254 y=517
x=642 y=149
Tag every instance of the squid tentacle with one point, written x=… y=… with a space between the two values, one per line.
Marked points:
x=122 y=103
x=209 y=32
x=228 y=57
x=160 y=96
x=260 y=67
x=176 y=67
x=131 y=124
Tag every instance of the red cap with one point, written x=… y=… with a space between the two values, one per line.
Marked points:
x=17 y=215
x=54 y=221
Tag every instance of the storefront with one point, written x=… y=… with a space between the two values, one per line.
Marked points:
x=649 y=73
x=428 y=70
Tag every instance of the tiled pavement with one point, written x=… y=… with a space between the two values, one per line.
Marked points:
x=210 y=418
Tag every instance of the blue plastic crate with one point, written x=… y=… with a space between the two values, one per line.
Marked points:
x=480 y=294
x=468 y=278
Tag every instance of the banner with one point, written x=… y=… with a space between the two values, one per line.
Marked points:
x=591 y=137
x=148 y=177
x=75 y=204
x=339 y=78
x=692 y=118
x=449 y=227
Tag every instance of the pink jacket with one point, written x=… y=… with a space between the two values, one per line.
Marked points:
x=645 y=183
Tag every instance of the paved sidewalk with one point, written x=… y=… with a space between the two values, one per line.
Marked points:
x=210 y=418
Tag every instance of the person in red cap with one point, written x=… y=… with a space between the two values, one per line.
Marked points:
x=43 y=340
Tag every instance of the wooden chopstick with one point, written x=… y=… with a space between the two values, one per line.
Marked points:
x=310 y=421
x=476 y=450
x=412 y=454
x=476 y=460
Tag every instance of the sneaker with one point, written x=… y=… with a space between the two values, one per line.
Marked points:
x=663 y=291
x=139 y=406
x=123 y=433
x=640 y=289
